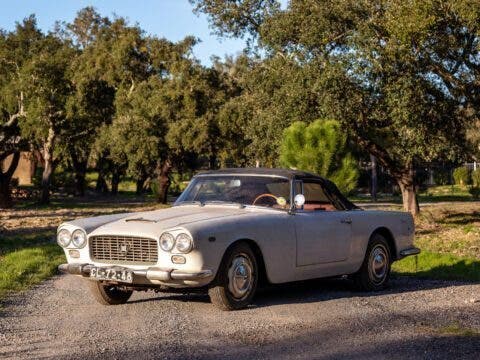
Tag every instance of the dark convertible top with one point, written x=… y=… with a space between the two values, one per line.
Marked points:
x=290 y=174
x=335 y=194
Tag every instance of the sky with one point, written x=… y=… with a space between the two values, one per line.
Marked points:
x=172 y=19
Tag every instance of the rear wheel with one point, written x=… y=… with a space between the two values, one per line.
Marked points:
x=375 y=270
x=107 y=294
x=237 y=279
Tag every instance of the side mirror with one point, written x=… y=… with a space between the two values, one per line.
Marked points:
x=299 y=200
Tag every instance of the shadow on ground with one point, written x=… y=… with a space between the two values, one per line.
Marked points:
x=314 y=291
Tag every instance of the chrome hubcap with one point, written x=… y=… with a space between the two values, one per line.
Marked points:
x=240 y=276
x=378 y=264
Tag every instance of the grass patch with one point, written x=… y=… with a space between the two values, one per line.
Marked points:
x=438 y=266
x=25 y=267
x=457 y=330
x=16 y=242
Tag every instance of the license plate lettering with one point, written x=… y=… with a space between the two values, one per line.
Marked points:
x=111 y=274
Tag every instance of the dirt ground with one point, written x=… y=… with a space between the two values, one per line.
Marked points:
x=414 y=318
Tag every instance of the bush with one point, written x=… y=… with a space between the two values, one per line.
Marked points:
x=441 y=176
x=155 y=188
x=320 y=147
x=178 y=183
x=476 y=178
x=474 y=191
x=461 y=176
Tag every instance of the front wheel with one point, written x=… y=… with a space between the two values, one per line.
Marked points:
x=375 y=270
x=107 y=294
x=237 y=278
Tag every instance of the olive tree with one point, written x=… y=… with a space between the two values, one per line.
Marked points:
x=400 y=76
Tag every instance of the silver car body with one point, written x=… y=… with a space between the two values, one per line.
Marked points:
x=295 y=245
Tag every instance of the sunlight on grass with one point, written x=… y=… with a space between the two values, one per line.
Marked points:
x=438 y=266
x=458 y=330
x=23 y=268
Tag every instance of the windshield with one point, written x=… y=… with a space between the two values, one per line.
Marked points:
x=246 y=190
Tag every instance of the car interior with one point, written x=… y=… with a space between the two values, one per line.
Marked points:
x=315 y=198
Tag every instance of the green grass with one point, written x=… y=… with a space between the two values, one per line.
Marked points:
x=458 y=330
x=11 y=243
x=434 y=194
x=27 y=259
x=438 y=266
x=25 y=267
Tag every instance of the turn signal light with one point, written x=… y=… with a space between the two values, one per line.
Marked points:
x=74 y=254
x=178 y=259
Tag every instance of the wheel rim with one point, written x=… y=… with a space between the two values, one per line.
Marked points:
x=378 y=264
x=240 y=276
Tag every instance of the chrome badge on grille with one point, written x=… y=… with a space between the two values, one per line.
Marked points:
x=123 y=248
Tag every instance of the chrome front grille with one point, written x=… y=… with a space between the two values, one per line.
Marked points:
x=123 y=249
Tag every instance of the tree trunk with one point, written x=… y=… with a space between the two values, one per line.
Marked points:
x=115 y=182
x=409 y=196
x=402 y=172
x=48 y=166
x=163 y=178
x=80 y=172
x=373 y=190
x=101 y=185
x=212 y=162
x=140 y=185
x=5 y=180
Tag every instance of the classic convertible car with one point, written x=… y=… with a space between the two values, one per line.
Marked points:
x=233 y=228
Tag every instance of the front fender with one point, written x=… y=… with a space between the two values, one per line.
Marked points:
x=274 y=234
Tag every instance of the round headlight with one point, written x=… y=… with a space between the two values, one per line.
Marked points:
x=79 y=238
x=184 y=243
x=63 y=237
x=167 y=241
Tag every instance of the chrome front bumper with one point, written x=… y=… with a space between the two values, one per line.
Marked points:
x=152 y=273
x=409 y=252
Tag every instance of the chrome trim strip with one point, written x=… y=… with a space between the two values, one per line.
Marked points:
x=151 y=273
x=181 y=275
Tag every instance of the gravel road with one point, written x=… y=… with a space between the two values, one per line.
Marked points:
x=312 y=320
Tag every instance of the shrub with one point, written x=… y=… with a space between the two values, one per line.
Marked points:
x=155 y=188
x=461 y=176
x=476 y=178
x=179 y=183
x=474 y=191
x=320 y=147
x=441 y=176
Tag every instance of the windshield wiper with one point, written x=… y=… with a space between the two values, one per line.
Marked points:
x=141 y=219
x=223 y=202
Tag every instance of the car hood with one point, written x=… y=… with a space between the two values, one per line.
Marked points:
x=153 y=223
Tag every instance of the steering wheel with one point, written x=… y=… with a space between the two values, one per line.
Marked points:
x=264 y=195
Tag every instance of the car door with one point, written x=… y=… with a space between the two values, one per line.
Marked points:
x=323 y=232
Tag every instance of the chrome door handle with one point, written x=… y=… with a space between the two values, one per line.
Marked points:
x=346 y=221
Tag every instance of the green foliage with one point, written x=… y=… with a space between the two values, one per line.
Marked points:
x=396 y=74
x=475 y=192
x=320 y=147
x=441 y=176
x=179 y=183
x=461 y=176
x=475 y=176
x=155 y=188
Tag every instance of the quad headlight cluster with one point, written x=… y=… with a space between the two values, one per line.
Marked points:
x=182 y=242
x=78 y=238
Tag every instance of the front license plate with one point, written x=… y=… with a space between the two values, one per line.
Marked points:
x=121 y=275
